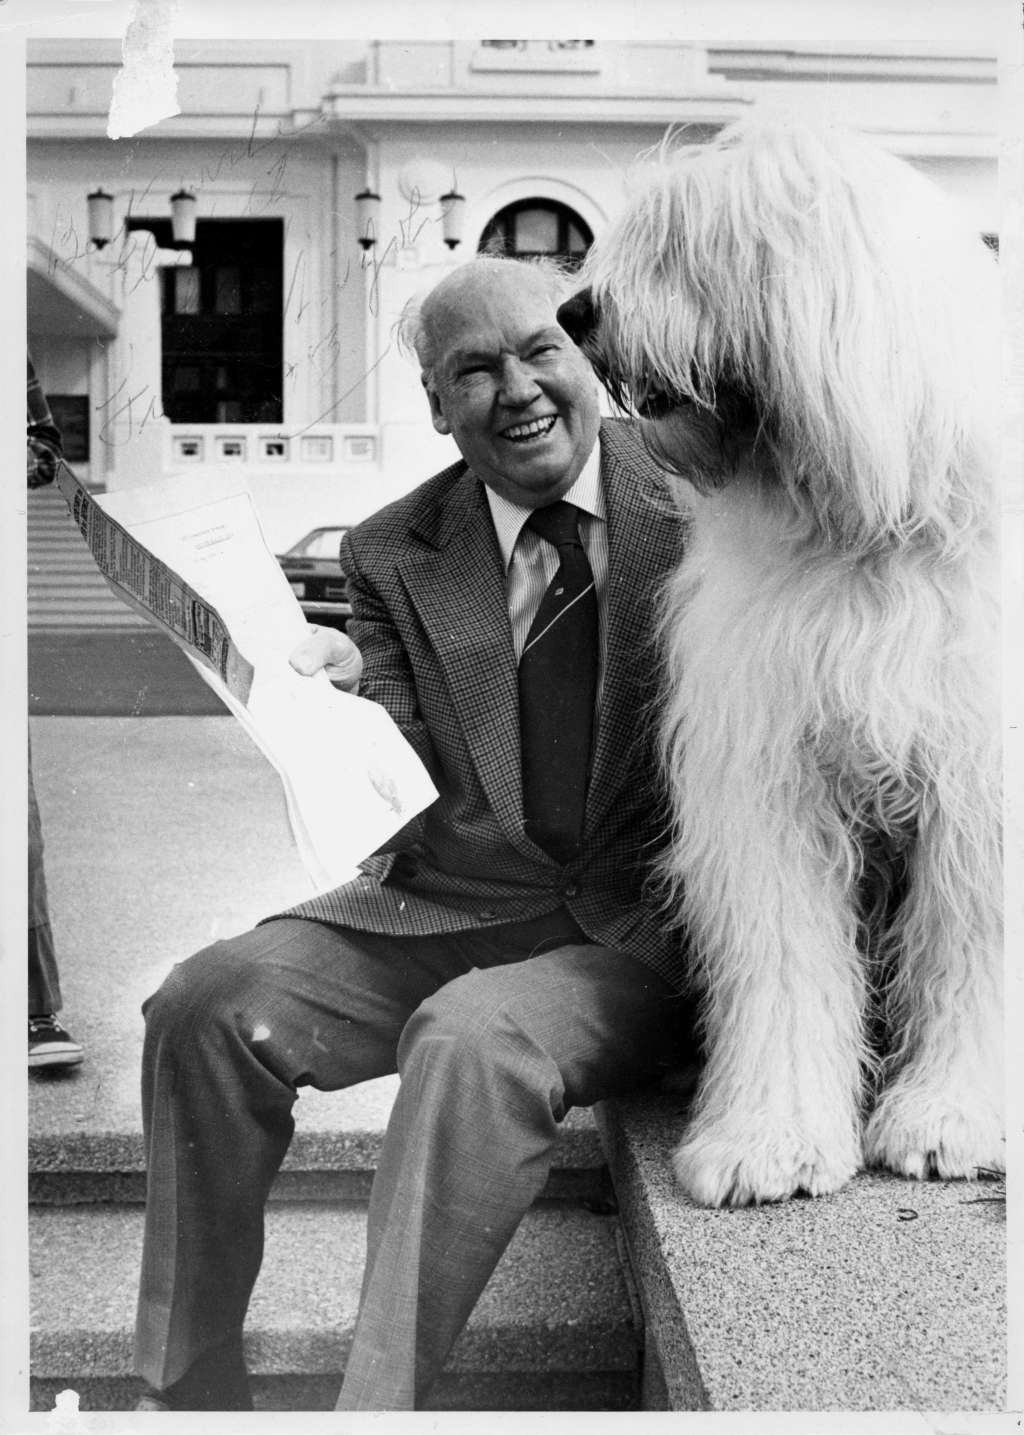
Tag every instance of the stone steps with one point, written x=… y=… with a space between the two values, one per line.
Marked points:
x=66 y=591
x=555 y=1328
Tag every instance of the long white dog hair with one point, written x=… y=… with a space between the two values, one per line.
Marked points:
x=811 y=335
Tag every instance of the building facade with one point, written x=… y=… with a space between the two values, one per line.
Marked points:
x=268 y=341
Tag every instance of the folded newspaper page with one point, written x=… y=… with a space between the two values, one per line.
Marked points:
x=189 y=554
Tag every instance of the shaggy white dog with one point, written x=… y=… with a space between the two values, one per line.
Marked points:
x=809 y=340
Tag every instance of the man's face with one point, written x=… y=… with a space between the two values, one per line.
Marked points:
x=511 y=387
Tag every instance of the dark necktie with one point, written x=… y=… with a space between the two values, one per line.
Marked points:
x=557 y=689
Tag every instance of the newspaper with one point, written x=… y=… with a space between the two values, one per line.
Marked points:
x=189 y=554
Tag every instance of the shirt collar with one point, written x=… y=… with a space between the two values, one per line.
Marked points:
x=586 y=493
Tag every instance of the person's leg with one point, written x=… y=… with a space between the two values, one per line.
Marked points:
x=49 y=1044
x=230 y=1035
x=490 y=1064
x=44 y=996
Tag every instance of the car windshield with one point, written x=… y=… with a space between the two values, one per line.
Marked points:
x=321 y=543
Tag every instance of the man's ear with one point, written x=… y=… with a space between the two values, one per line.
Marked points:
x=440 y=423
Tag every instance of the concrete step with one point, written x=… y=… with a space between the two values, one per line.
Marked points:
x=87 y=622
x=554 y=1330
x=66 y=579
x=332 y=1157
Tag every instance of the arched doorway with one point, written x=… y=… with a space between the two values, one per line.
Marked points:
x=535 y=228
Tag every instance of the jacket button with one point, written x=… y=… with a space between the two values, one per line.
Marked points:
x=571 y=889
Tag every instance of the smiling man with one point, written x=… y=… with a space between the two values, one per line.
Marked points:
x=501 y=954
x=503 y=379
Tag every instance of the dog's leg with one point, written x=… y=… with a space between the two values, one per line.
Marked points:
x=779 y=1107
x=941 y=1112
x=763 y=866
x=768 y=904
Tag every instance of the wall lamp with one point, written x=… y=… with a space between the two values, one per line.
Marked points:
x=453 y=216
x=367 y=217
x=101 y=217
x=183 y=217
x=368 y=205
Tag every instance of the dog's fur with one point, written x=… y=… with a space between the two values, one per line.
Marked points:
x=812 y=338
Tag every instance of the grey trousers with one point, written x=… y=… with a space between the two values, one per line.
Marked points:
x=496 y=1033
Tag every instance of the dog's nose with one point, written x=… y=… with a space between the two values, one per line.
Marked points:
x=578 y=316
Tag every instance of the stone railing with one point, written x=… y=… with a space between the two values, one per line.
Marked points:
x=273 y=445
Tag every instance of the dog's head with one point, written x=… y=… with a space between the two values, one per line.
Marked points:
x=799 y=300
x=698 y=433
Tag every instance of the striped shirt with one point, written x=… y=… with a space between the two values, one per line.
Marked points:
x=531 y=562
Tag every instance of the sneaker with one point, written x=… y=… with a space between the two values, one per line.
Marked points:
x=49 y=1044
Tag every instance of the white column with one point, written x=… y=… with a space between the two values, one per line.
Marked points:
x=131 y=430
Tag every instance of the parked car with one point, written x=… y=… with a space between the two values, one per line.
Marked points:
x=314 y=572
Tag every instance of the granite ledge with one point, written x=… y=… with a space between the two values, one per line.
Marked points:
x=888 y=1295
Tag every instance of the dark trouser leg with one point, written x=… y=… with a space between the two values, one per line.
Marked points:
x=43 y=977
x=489 y=1064
x=229 y=1036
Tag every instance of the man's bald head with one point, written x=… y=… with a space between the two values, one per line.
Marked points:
x=424 y=316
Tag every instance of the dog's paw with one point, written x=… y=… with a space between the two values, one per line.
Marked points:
x=920 y=1133
x=730 y=1164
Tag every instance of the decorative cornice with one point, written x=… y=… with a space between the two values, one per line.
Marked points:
x=736 y=63
x=381 y=106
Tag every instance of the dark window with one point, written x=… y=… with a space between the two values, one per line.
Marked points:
x=535 y=227
x=71 y=415
x=222 y=322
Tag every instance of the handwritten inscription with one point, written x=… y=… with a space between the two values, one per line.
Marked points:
x=126 y=414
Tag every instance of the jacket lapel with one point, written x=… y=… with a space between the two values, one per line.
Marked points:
x=457 y=583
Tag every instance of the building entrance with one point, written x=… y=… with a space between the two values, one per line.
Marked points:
x=221 y=323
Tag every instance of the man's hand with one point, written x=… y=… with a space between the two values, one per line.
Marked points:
x=331 y=650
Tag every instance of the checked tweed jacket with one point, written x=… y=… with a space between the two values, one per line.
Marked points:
x=429 y=615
